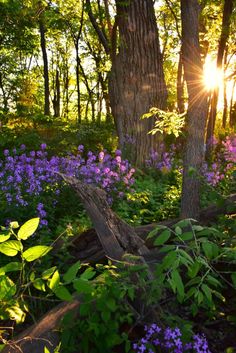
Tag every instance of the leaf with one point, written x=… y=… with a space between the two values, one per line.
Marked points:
x=11 y=267
x=169 y=260
x=200 y=297
x=162 y=238
x=193 y=270
x=62 y=293
x=36 y=252
x=207 y=291
x=70 y=275
x=186 y=236
x=233 y=277
x=82 y=286
x=111 y=304
x=213 y=281
x=39 y=284
x=155 y=231
x=178 y=230
x=10 y=247
x=88 y=274
x=14 y=225
x=197 y=228
x=28 y=228
x=207 y=248
x=7 y=288
x=4 y=237
x=54 y=281
x=176 y=278
x=48 y=273
x=185 y=255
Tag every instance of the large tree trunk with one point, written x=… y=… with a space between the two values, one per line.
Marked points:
x=45 y=68
x=136 y=79
x=227 y=12
x=197 y=110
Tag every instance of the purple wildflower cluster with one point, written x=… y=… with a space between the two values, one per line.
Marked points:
x=169 y=340
x=224 y=160
x=28 y=177
x=162 y=160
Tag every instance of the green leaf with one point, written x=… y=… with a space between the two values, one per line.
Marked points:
x=54 y=281
x=200 y=297
x=191 y=292
x=155 y=231
x=39 y=284
x=195 y=280
x=62 y=293
x=106 y=315
x=70 y=275
x=10 y=247
x=176 y=278
x=185 y=255
x=169 y=260
x=7 y=288
x=207 y=291
x=213 y=281
x=162 y=238
x=193 y=270
x=4 y=237
x=197 y=228
x=48 y=273
x=36 y=252
x=111 y=304
x=28 y=228
x=233 y=277
x=82 y=286
x=208 y=250
x=178 y=230
x=89 y=273
x=186 y=236
x=11 y=267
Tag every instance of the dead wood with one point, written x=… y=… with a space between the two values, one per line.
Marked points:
x=43 y=333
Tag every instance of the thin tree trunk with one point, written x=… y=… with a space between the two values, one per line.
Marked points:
x=232 y=111
x=180 y=86
x=197 y=110
x=5 y=101
x=227 y=12
x=57 y=95
x=78 y=79
x=45 y=68
x=225 y=111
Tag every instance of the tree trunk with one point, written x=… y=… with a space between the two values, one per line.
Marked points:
x=232 y=111
x=136 y=80
x=180 y=86
x=227 y=12
x=45 y=68
x=225 y=111
x=78 y=79
x=197 y=110
x=57 y=95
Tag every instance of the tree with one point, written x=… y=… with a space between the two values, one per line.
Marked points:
x=197 y=109
x=227 y=12
x=136 y=80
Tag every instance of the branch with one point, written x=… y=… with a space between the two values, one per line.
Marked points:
x=101 y=35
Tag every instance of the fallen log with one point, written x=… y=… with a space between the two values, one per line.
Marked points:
x=42 y=334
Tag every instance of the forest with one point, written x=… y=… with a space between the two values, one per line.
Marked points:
x=117 y=176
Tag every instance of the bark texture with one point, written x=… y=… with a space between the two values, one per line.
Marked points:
x=227 y=12
x=45 y=68
x=136 y=79
x=197 y=110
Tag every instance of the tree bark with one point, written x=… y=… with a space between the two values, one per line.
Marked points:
x=136 y=80
x=227 y=12
x=180 y=86
x=45 y=68
x=197 y=110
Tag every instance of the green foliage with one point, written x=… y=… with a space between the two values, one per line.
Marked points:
x=191 y=264
x=12 y=303
x=102 y=312
x=155 y=197
x=166 y=122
